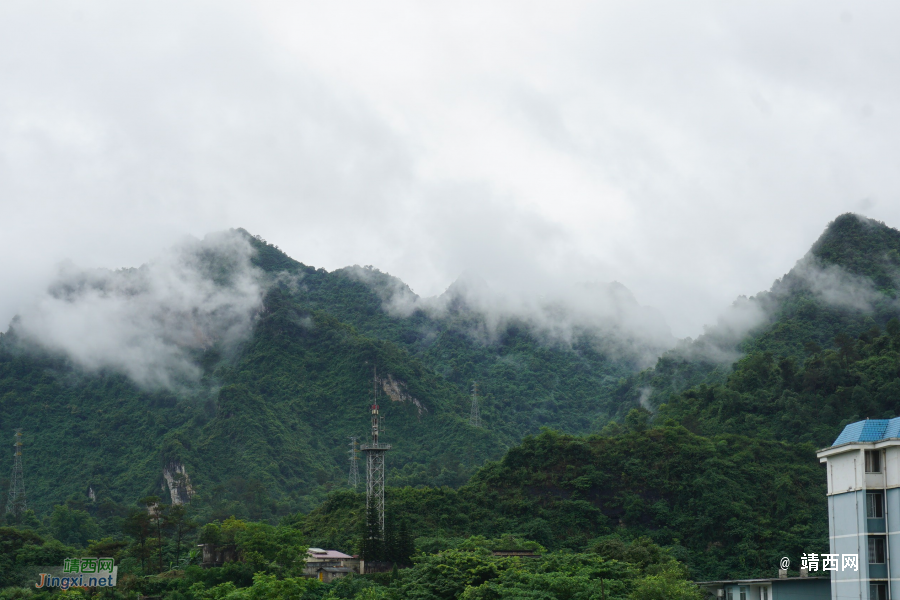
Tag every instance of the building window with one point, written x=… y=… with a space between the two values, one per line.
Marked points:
x=730 y=594
x=874 y=506
x=876 y=550
x=763 y=593
x=878 y=591
x=873 y=461
x=743 y=593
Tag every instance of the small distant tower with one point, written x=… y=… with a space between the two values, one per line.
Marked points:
x=353 y=480
x=474 y=414
x=15 y=504
x=375 y=473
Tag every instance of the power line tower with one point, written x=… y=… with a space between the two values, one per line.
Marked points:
x=375 y=473
x=474 y=414
x=15 y=504
x=353 y=480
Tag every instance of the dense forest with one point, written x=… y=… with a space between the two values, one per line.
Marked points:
x=701 y=467
x=265 y=431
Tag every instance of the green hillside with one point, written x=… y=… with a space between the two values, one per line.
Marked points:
x=779 y=397
x=526 y=380
x=846 y=285
x=266 y=429
x=703 y=466
x=727 y=505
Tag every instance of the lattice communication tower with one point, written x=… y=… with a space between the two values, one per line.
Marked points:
x=375 y=473
x=353 y=480
x=474 y=413
x=15 y=503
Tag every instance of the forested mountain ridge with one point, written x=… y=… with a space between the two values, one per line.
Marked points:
x=263 y=428
x=779 y=397
x=728 y=505
x=722 y=473
x=563 y=377
x=709 y=457
x=846 y=284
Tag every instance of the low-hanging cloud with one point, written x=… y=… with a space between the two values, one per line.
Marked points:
x=829 y=284
x=835 y=285
x=148 y=322
x=672 y=147
x=608 y=312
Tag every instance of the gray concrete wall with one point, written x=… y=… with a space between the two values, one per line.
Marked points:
x=847 y=528
x=798 y=589
x=892 y=517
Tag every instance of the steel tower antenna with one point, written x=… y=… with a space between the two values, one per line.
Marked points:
x=375 y=452
x=474 y=414
x=353 y=480
x=15 y=504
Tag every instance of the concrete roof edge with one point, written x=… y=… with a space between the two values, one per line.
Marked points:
x=761 y=580
x=846 y=446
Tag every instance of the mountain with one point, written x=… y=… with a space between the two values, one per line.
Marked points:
x=253 y=368
x=712 y=452
x=846 y=285
x=228 y=372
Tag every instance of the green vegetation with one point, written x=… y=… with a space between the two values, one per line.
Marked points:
x=269 y=564
x=810 y=401
x=265 y=432
x=726 y=505
x=845 y=287
x=702 y=467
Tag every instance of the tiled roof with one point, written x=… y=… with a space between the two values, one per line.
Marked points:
x=870 y=430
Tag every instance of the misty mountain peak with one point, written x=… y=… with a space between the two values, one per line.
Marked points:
x=861 y=246
x=613 y=291
x=469 y=287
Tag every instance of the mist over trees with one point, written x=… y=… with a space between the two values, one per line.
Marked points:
x=637 y=478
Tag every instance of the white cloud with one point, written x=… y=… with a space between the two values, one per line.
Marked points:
x=147 y=322
x=690 y=150
x=608 y=313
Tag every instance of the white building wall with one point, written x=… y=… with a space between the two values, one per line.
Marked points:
x=847 y=526
x=892 y=466
x=874 y=481
x=845 y=471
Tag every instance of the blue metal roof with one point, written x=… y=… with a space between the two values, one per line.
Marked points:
x=870 y=430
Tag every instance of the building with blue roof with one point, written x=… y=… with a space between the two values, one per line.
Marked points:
x=870 y=430
x=863 y=472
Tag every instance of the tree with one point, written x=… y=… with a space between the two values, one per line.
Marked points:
x=637 y=419
x=178 y=522
x=157 y=515
x=668 y=585
x=406 y=546
x=390 y=549
x=72 y=526
x=137 y=526
x=372 y=546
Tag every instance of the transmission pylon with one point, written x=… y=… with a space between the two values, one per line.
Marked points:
x=474 y=413
x=16 y=504
x=353 y=480
x=375 y=452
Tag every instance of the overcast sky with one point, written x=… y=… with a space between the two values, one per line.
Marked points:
x=691 y=150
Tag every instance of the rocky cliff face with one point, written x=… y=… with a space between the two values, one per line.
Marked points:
x=177 y=483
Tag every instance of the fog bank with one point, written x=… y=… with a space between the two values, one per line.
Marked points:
x=149 y=323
